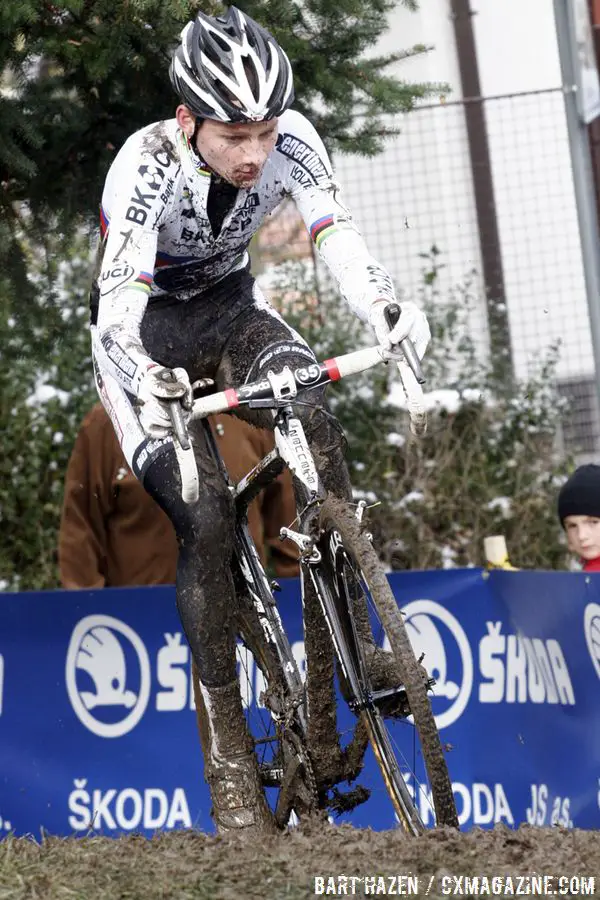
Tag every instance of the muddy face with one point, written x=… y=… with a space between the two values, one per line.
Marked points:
x=237 y=152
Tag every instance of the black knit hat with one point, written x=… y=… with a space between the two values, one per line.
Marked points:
x=580 y=495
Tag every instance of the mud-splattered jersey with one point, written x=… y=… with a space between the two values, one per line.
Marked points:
x=158 y=237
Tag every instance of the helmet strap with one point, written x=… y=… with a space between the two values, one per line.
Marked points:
x=197 y=124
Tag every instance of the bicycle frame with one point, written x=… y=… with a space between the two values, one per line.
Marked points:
x=277 y=392
x=291 y=450
x=292 y=447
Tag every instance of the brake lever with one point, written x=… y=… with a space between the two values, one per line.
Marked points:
x=392 y=314
x=176 y=415
x=178 y=423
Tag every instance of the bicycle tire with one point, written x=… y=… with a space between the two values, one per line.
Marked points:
x=338 y=516
x=282 y=753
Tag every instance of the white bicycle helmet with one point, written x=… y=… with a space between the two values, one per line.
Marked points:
x=231 y=69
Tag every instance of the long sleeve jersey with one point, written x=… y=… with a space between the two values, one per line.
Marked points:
x=158 y=237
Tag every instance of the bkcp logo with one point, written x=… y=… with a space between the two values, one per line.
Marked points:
x=436 y=633
x=107 y=675
x=591 y=628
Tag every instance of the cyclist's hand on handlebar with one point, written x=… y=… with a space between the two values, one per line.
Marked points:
x=412 y=324
x=158 y=387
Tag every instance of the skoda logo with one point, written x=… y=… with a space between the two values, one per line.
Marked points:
x=591 y=628
x=107 y=675
x=436 y=633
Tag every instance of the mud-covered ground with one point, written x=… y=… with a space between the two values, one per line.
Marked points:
x=194 y=866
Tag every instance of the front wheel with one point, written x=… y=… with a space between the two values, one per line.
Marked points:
x=272 y=691
x=353 y=584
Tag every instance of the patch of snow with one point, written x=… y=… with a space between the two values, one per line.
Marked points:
x=369 y=496
x=44 y=393
x=448 y=558
x=364 y=392
x=504 y=504
x=473 y=395
x=447 y=399
x=395 y=440
x=412 y=497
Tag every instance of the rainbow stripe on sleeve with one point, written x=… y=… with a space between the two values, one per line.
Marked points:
x=322 y=228
x=104 y=220
x=143 y=282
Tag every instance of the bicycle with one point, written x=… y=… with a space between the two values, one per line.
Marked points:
x=339 y=568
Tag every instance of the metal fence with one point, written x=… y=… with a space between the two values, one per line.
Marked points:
x=499 y=207
x=502 y=213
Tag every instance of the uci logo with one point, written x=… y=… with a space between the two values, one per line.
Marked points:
x=115 y=277
x=436 y=633
x=107 y=675
x=591 y=628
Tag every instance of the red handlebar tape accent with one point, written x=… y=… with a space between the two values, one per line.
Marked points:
x=232 y=398
x=332 y=369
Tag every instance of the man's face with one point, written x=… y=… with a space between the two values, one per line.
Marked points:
x=237 y=152
x=583 y=536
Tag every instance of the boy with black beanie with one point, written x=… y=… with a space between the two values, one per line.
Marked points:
x=579 y=514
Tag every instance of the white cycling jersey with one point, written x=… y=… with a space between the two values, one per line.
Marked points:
x=159 y=239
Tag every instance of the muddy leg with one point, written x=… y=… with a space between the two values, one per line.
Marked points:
x=206 y=601
x=230 y=764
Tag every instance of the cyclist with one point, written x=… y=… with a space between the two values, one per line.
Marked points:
x=174 y=297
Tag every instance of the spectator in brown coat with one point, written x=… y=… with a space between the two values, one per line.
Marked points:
x=113 y=534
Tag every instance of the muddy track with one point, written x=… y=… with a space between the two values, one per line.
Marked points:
x=195 y=866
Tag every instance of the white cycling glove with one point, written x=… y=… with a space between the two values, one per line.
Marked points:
x=156 y=389
x=412 y=324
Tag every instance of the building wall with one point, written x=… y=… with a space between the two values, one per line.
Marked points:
x=517 y=51
x=419 y=191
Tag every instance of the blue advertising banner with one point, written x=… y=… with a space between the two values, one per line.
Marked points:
x=516 y=656
x=98 y=728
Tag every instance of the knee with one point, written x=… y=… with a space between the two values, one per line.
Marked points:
x=208 y=522
x=328 y=446
x=322 y=429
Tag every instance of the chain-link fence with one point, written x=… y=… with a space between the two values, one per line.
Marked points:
x=498 y=204
x=520 y=229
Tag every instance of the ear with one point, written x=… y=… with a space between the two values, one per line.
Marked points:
x=186 y=120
